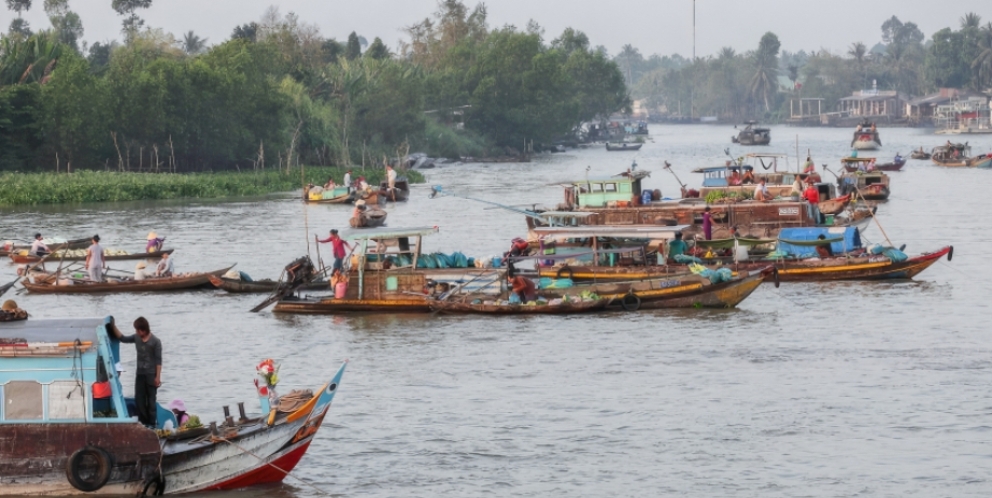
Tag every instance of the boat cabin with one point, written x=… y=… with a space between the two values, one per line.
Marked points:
x=801 y=243
x=603 y=245
x=621 y=190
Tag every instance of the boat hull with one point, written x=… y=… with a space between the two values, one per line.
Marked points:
x=866 y=145
x=25 y=259
x=149 y=285
x=330 y=306
x=569 y=308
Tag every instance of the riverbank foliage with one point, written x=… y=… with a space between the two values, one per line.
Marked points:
x=278 y=93
x=111 y=186
x=758 y=84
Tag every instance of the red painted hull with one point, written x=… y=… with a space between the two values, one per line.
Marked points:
x=266 y=473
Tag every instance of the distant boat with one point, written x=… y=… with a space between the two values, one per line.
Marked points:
x=623 y=147
x=753 y=135
x=866 y=137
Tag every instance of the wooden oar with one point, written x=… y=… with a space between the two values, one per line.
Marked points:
x=6 y=287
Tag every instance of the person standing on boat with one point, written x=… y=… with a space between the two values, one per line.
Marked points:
x=707 y=224
x=347 y=181
x=38 y=248
x=339 y=246
x=390 y=177
x=148 y=375
x=812 y=197
x=96 y=260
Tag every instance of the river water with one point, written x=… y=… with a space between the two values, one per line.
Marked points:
x=838 y=389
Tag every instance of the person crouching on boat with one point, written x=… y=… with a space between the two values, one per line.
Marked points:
x=523 y=287
x=139 y=271
x=761 y=192
x=38 y=248
x=518 y=247
x=824 y=251
x=178 y=408
x=677 y=247
x=748 y=178
x=96 y=260
x=155 y=242
x=165 y=267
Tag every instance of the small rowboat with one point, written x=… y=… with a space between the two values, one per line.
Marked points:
x=339 y=195
x=152 y=284
x=371 y=218
x=623 y=147
x=24 y=258
x=834 y=206
x=851 y=164
x=398 y=194
x=920 y=154
x=69 y=244
x=564 y=308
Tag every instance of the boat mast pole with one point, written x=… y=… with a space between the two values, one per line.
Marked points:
x=692 y=90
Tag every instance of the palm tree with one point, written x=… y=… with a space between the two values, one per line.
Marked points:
x=764 y=81
x=859 y=51
x=193 y=44
x=971 y=20
x=630 y=56
x=982 y=65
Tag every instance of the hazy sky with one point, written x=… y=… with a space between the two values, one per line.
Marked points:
x=653 y=26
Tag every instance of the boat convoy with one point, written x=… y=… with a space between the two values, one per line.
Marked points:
x=611 y=245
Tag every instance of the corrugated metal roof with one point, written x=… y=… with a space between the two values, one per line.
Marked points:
x=52 y=330
x=386 y=233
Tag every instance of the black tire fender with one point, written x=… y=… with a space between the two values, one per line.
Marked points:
x=775 y=277
x=101 y=474
x=950 y=254
x=631 y=302
x=565 y=271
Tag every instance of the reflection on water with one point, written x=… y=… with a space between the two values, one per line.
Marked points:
x=832 y=389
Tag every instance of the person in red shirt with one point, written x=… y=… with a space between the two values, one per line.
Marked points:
x=339 y=248
x=812 y=196
x=523 y=287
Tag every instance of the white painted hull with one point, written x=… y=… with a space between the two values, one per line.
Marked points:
x=866 y=145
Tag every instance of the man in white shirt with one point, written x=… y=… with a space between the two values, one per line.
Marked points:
x=761 y=192
x=347 y=180
x=391 y=177
x=38 y=248
x=164 y=268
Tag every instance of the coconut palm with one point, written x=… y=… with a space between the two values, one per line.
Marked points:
x=971 y=20
x=193 y=44
x=764 y=82
x=982 y=65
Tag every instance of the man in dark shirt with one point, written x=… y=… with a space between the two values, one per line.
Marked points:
x=148 y=374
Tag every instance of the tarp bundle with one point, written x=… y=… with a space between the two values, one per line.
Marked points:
x=715 y=276
x=437 y=260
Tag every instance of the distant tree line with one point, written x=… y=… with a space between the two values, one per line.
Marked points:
x=758 y=83
x=278 y=93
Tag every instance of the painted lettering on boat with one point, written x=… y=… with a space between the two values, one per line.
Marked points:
x=788 y=211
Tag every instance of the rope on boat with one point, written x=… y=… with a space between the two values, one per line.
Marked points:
x=270 y=464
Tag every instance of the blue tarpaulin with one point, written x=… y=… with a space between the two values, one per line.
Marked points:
x=851 y=240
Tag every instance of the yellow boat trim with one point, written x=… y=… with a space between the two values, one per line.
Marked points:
x=832 y=269
x=305 y=410
x=657 y=292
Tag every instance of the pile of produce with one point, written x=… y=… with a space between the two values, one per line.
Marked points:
x=77 y=253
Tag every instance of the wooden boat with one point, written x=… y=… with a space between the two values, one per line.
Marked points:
x=565 y=308
x=862 y=267
x=866 y=137
x=683 y=290
x=387 y=275
x=854 y=164
x=239 y=286
x=370 y=218
x=624 y=146
x=753 y=135
x=69 y=244
x=920 y=154
x=873 y=186
x=399 y=194
x=151 y=284
x=954 y=155
x=73 y=444
x=317 y=195
x=835 y=206
x=54 y=257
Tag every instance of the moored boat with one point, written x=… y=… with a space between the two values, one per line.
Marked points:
x=868 y=164
x=623 y=146
x=23 y=258
x=400 y=193
x=67 y=428
x=567 y=307
x=370 y=217
x=866 y=137
x=242 y=286
x=67 y=284
x=319 y=195
x=870 y=186
x=11 y=248
x=753 y=135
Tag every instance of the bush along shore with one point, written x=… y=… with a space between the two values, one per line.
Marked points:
x=105 y=186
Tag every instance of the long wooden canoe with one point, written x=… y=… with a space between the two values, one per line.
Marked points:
x=565 y=308
x=153 y=284
x=685 y=291
x=23 y=259
x=237 y=286
x=69 y=244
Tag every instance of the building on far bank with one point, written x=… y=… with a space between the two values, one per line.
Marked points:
x=951 y=110
x=874 y=105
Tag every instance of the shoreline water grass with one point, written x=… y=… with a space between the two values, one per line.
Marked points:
x=19 y=189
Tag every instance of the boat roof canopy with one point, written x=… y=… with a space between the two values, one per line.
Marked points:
x=51 y=330
x=566 y=214
x=617 y=232
x=626 y=176
x=386 y=233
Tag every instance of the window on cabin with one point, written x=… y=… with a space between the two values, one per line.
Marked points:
x=66 y=400
x=23 y=400
x=610 y=187
x=597 y=187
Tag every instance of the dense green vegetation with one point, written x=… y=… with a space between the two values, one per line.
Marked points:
x=104 y=186
x=759 y=83
x=278 y=93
